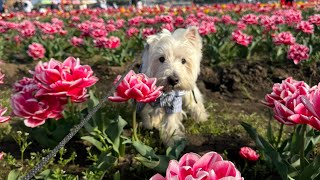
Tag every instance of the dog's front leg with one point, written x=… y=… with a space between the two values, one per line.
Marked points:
x=172 y=129
x=151 y=117
x=193 y=103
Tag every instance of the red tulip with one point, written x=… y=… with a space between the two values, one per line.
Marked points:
x=249 y=154
x=138 y=87
x=75 y=41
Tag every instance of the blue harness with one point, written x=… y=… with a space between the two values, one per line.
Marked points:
x=171 y=102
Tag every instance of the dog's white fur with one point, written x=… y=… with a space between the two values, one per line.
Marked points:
x=174 y=47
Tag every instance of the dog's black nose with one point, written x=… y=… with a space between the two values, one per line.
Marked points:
x=173 y=80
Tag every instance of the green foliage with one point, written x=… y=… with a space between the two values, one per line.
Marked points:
x=150 y=159
x=285 y=158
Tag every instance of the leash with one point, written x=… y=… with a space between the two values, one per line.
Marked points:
x=75 y=129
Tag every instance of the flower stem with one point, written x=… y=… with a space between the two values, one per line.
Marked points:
x=134 y=121
x=245 y=166
x=279 y=135
x=302 y=162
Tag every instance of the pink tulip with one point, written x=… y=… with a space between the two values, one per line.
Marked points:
x=249 y=154
x=120 y=23
x=148 y=31
x=285 y=38
x=35 y=110
x=241 y=25
x=297 y=114
x=101 y=42
x=97 y=33
x=250 y=19
x=132 y=31
x=113 y=42
x=150 y=21
x=305 y=27
x=36 y=51
x=76 y=42
x=241 y=38
x=168 y=26
x=57 y=22
x=281 y=92
x=298 y=52
x=138 y=87
x=292 y=16
x=110 y=27
x=312 y=105
x=267 y=22
x=135 y=21
x=29 y=32
x=2 y=112
x=191 y=166
x=67 y=79
x=84 y=28
x=1 y=155
x=75 y=19
x=226 y=19
x=288 y=103
x=48 y=28
x=315 y=19
x=179 y=21
x=166 y=19
x=277 y=19
x=1 y=77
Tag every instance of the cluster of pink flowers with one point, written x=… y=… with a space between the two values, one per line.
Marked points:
x=192 y=166
x=294 y=102
x=45 y=95
x=296 y=52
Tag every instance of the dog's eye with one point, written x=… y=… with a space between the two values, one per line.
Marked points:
x=162 y=59
x=183 y=61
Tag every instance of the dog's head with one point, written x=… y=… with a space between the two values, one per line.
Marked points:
x=173 y=58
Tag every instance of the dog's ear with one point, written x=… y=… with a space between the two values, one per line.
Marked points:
x=193 y=36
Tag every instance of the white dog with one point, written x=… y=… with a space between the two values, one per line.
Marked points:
x=174 y=59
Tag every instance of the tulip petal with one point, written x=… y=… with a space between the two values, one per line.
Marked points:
x=157 y=177
x=224 y=169
x=33 y=123
x=189 y=159
x=206 y=161
x=173 y=169
x=117 y=99
x=134 y=93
